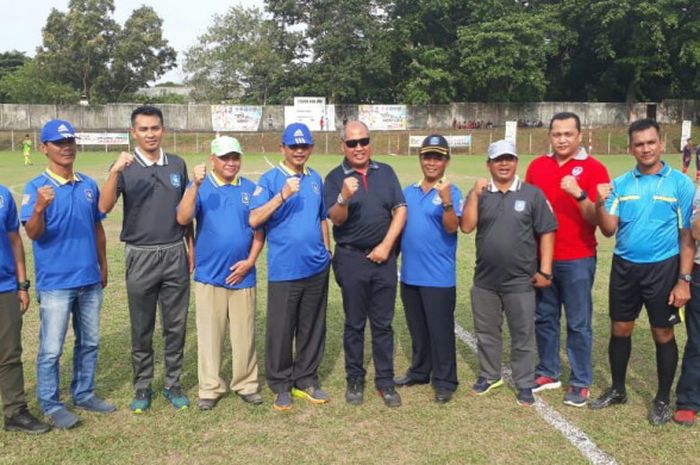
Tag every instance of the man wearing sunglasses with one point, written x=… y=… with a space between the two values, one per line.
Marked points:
x=368 y=211
x=289 y=205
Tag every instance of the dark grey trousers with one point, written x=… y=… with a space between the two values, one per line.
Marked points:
x=11 y=375
x=296 y=317
x=157 y=275
x=488 y=308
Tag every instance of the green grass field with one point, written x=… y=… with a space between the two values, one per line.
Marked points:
x=490 y=430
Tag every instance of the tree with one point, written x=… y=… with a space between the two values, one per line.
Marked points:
x=29 y=84
x=9 y=63
x=243 y=57
x=88 y=50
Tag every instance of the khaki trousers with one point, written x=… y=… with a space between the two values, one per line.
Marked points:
x=218 y=307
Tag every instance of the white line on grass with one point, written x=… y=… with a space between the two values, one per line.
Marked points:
x=574 y=435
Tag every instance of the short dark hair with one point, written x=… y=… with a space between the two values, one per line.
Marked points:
x=643 y=125
x=148 y=110
x=566 y=115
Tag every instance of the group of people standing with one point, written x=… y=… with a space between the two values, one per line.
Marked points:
x=535 y=254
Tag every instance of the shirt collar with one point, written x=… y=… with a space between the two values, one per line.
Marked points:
x=218 y=182
x=289 y=172
x=347 y=169
x=59 y=180
x=145 y=161
x=581 y=155
x=663 y=172
x=514 y=186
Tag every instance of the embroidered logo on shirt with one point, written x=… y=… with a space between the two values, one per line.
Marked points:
x=245 y=198
x=316 y=188
x=519 y=205
x=577 y=170
x=175 y=180
x=437 y=200
x=89 y=195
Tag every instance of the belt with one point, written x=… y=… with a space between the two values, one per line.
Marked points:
x=356 y=249
x=170 y=245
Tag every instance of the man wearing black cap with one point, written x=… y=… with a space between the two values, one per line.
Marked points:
x=428 y=273
x=368 y=212
x=513 y=222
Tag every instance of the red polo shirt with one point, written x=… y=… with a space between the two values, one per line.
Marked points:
x=575 y=237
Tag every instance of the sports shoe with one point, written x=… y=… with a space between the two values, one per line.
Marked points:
x=525 y=397
x=283 y=401
x=576 y=396
x=312 y=394
x=355 y=392
x=660 y=413
x=63 y=418
x=545 y=383
x=484 y=386
x=685 y=417
x=96 y=404
x=25 y=422
x=390 y=396
x=207 y=404
x=610 y=397
x=142 y=400
x=177 y=397
x=253 y=399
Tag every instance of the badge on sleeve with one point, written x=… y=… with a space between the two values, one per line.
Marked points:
x=25 y=199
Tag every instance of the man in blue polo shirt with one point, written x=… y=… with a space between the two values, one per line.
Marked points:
x=14 y=301
x=60 y=215
x=288 y=203
x=225 y=252
x=428 y=274
x=648 y=210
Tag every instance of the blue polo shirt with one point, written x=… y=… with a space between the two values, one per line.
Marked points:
x=651 y=209
x=65 y=256
x=295 y=248
x=8 y=223
x=223 y=235
x=427 y=251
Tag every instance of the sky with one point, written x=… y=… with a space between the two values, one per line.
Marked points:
x=21 y=21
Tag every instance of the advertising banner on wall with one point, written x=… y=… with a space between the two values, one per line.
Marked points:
x=454 y=141
x=313 y=112
x=384 y=117
x=236 y=118
x=102 y=138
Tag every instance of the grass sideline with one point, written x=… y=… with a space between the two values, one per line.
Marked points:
x=468 y=430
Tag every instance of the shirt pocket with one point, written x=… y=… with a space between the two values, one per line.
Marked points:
x=663 y=208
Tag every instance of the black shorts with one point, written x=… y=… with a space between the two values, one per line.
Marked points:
x=650 y=284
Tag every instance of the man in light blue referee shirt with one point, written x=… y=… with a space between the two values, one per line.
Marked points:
x=288 y=203
x=226 y=249
x=648 y=210
x=60 y=215
x=428 y=274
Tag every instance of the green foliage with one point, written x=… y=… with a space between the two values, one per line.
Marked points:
x=30 y=84
x=9 y=63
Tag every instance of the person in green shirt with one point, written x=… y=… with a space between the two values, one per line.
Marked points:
x=27 y=149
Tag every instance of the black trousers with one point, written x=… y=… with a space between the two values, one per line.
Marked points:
x=369 y=291
x=296 y=318
x=688 y=388
x=157 y=276
x=430 y=316
x=11 y=375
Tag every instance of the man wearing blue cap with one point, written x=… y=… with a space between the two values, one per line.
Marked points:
x=226 y=249
x=288 y=203
x=60 y=215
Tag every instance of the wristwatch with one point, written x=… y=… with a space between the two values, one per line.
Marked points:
x=685 y=277
x=447 y=206
x=546 y=276
x=23 y=285
x=340 y=200
x=583 y=196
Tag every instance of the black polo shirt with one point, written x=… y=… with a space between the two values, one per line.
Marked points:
x=506 y=236
x=370 y=209
x=151 y=195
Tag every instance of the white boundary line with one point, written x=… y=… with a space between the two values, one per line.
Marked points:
x=574 y=435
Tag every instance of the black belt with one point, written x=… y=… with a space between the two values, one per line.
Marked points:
x=356 y=249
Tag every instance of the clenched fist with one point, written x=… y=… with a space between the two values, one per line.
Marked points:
x=350 y=186
x=604 y=191
x=480 y=186
x=290 y=187
x=444 y=189
x=570 y=186
x=199 y=172
x=44 y=197
x=125 y=159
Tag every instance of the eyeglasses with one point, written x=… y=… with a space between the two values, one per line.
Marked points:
x=364 y=142
x=296 y=147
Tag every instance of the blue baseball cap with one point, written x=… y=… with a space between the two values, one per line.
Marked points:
x=297 y=133
x=57 y=129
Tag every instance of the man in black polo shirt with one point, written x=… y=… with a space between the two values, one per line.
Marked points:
x=513 y=222
x=368 y=212
x=152 y=183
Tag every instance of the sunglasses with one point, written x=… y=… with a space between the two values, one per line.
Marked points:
x=299 y=146
x=364 y=142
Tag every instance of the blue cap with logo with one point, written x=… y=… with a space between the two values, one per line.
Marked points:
x=435 y=144
x=297 y=133
x=57 y=129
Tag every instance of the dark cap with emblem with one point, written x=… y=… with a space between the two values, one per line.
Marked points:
x=435 y=144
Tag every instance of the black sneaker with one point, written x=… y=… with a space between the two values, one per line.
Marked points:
x=610 y=397
x=390 y=396
x=355 y=393
x=25 y=422
x=660 y=413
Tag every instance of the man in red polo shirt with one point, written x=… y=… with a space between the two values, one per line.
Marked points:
x=568 y=176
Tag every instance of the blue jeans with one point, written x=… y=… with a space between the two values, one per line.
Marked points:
x=571 y=288
x=55 y=308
